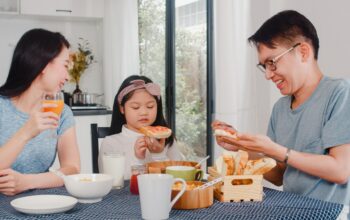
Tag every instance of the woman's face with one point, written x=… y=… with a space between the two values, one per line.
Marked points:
x=55 y=74
x=140 y=110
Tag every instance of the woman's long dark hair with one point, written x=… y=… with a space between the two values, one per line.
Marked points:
x=35 y=49
x=118 y=119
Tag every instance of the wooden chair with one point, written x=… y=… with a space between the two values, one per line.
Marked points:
x=96 y=133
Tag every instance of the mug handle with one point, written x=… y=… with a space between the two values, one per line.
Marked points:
x=199 y=175
x=183 y=189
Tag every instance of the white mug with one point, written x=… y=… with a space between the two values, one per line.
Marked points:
x=155 y=194
x=113 y=163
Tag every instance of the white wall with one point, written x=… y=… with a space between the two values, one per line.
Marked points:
x=12 y=28
x=121 y=49
x=242 y=93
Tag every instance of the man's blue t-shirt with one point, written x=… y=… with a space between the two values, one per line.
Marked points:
x=320 y=123
x=40 y=152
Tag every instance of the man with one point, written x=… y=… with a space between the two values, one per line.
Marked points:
x=309 y=129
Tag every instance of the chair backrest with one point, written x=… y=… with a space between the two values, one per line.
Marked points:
x=96 y=133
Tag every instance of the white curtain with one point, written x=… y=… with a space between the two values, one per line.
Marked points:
x=120 y=42
x=239 y=87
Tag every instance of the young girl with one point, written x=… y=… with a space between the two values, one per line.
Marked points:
x=137 y=104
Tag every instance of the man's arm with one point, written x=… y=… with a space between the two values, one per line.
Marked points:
x=334 y=167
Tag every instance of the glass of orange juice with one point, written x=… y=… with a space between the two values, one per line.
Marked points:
x=58 y=100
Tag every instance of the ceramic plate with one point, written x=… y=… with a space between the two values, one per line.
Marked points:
x=44 y=204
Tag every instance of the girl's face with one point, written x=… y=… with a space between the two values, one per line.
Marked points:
x=55 y=74
x=140 y=110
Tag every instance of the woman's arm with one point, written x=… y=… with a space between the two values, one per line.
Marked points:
x=12 y=182
x=68 y=155
x=38 y=122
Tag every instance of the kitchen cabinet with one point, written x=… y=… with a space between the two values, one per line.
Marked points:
x=82 y=125
x=71 y=8
x=9 y=6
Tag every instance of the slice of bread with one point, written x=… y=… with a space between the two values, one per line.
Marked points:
x=225 y=133
x=241 y=160
x=260 y=166
x=225 y=164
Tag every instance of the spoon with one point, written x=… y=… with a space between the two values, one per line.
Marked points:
x=206 y=185
x=201 y=161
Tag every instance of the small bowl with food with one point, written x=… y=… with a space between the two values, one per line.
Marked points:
x=88 y=188
x=193 y=198
x=160 y=166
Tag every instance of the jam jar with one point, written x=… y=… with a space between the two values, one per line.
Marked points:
x=135 y=171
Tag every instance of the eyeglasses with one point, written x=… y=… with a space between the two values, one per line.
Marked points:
x=271 y=64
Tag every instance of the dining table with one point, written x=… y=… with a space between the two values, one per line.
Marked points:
x=121 y=204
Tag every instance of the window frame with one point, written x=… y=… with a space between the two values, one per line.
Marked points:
x=170 y=70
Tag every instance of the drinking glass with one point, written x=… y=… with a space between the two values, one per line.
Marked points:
x=57 y=99
x=113 y=163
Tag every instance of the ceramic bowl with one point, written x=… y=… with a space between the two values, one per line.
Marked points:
x=88 y=188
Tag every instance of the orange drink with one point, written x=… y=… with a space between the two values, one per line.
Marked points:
x=58 y=109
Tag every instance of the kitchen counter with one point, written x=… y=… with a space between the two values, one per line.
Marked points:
x=91 y=112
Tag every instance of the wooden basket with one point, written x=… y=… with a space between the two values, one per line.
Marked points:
x=237 y=188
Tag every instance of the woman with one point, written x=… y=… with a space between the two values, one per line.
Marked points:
x=27 y=148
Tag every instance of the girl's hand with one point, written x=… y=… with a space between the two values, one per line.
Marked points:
x=154 y=145
x=12 y=182
x=140 y=148
x=39 y=121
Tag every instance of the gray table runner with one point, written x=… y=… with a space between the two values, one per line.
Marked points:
x=121 y=204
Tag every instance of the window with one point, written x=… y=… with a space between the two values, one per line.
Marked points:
x=174 y=52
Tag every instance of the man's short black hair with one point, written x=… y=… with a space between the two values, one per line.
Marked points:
x=287 y=27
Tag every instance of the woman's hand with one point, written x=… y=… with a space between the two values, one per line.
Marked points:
x=154 y=145
x=140 y=148
x=12 y=182
x=39 y=121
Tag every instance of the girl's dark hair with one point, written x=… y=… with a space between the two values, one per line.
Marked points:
x=286 y=27
x=35 y=49
x=118 y=119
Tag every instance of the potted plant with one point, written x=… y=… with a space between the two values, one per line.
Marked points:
x=80 y=61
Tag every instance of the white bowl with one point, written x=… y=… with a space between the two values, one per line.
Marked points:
x=88 y=188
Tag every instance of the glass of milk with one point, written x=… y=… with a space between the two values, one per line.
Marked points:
x=113 y=163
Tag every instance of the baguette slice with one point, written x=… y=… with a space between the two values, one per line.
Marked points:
x=241 y=161
x=225 y=133
x=156 y=131
x=260 y=166
x=225 y=164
